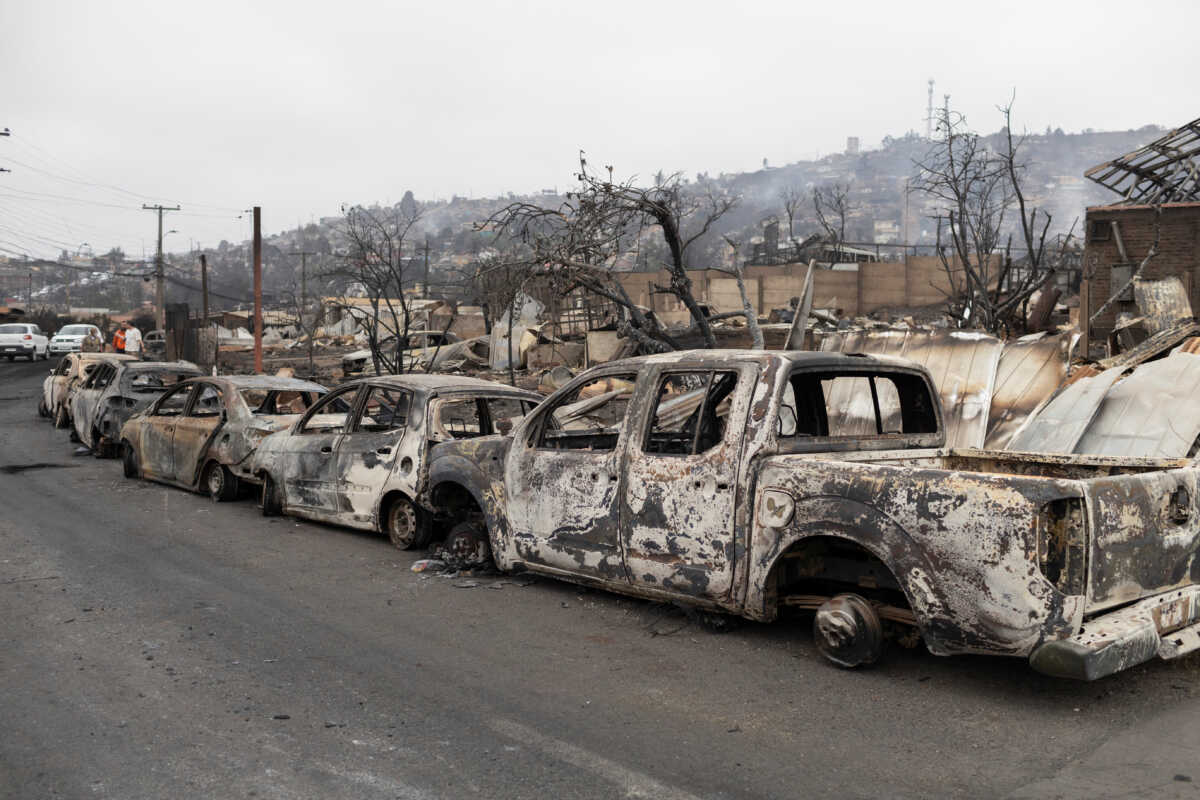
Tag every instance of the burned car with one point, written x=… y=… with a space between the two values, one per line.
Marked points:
x=745 y=482
x=72 y=369
x=201 y=433
x=414 y=350
x=358 y=457
x=114 y=392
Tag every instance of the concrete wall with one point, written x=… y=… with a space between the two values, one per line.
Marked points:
x=921 y=281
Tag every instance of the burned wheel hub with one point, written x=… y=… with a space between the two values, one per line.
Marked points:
x=847 y=631
x=467 y=546
x=216 y=481
x=402 y=524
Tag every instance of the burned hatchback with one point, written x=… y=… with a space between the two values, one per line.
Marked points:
x=200 y=434
x=114 y=392
x=358 y=458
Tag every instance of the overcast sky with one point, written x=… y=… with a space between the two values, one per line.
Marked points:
x=299 y=107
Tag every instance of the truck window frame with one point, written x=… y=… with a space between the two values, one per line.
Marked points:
x=912 y=413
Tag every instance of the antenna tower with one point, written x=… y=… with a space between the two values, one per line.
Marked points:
x=929 y=113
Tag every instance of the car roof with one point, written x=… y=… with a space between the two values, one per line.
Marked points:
x=796 y=357
x=162 y=366
x=442 y=383
x=267 y=382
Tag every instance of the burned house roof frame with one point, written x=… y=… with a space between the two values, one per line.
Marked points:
x=1165 y=171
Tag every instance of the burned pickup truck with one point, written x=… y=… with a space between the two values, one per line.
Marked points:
x=745 y=482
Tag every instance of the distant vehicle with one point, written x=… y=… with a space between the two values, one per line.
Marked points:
x=72 y=369
x=201 y=434
x=357 y=458
x=115 y=391
x=70 y=338
x=23 y=339
x=154 y=344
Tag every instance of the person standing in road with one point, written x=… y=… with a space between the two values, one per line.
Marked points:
x=133 y=340
x=92 y=343
x=119 y=338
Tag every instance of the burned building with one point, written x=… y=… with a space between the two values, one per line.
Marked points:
x=1160 y=189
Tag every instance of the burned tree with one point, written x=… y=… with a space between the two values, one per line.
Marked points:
x=793 y=200
x=831 y=205
x=374 y=266
x=976 y=189
x=579 y=243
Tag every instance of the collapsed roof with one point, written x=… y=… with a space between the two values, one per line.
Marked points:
x=1165 y=171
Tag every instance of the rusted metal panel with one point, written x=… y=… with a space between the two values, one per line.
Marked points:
x=1058 y=426
x=963 y=365
x=1030 y=370
x=1152 y=413
x=1163 y=302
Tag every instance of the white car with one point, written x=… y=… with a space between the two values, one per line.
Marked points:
x=70 y=338
x=23 y=339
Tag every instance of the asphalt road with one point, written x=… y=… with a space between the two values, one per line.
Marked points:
x=154 y=644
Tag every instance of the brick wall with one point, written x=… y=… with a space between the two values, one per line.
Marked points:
x=1178 y=255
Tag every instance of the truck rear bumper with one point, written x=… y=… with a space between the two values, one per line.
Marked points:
x=1166 y=625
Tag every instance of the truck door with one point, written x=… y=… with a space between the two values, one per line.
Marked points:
x=562 y=480
x=681 y=481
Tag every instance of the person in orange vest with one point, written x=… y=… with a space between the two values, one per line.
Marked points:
x=119 y=340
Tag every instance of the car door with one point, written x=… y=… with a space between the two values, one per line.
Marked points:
x=369 y=450
x=194 y=431
x=87 y=400
x=562 y=479
x=307 y=457
x=156 y=451
x=681 y=470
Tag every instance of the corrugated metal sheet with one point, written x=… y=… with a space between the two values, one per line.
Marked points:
x=1031 y=369
x=963 y=365
x=1152 y=413
x=1158 y=343
x=1061 y=423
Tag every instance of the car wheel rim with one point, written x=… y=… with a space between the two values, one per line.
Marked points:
x=402 y=524
x=216 y=481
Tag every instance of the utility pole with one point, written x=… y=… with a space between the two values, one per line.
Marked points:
x=425 y=285
x=258 y=319
x=204 y=285
x=160 y=295
x=29 y=302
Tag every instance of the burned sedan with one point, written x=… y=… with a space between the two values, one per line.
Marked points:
x=200 y=434
x=72 y=369
x=117 y=390
x=358 y=458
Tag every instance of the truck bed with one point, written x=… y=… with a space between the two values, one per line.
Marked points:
x=1000 y=462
